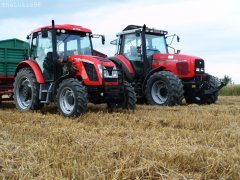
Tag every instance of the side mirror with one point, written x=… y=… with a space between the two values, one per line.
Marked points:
x=44 y=32
x=103 y=39
x=114 y=42
x=178 y=39
x=178 y=51
x=28 y=37
x=98 y=36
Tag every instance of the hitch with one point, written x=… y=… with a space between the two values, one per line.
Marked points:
x=213 y=90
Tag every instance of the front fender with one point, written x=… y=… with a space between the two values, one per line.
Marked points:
x=35 y=68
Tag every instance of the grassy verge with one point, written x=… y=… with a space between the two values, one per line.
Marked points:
x=230 y=90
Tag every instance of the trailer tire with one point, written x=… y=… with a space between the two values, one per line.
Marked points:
x=164 y=88
x=26 y=90
x=72 y=98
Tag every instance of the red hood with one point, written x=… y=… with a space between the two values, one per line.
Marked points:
x=91 y=59
x=174 y=57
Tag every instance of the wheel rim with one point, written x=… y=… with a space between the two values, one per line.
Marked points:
x=67 y=100
x=159 y=92
x=24 y=93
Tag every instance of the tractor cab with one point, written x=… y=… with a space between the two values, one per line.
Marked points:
x=138 y=45
x=68 y=40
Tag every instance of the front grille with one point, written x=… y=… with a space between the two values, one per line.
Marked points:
x=91 y=71
x=199 y=66
x=182 y=68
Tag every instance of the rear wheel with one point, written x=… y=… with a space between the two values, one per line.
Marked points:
x=26 y=91
x=71 y=98
x=198 y=98
x=164 y=88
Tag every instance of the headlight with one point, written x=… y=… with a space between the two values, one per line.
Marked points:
x=114 y=72
x=108 y=72
x=100 y=68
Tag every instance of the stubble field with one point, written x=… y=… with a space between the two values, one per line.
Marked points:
x=181 y=142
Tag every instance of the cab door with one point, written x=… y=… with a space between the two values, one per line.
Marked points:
x=131 y=49
x=41 y=52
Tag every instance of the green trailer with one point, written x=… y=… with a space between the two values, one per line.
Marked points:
x=12 y=51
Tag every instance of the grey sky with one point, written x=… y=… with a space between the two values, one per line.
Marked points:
x=208 y=28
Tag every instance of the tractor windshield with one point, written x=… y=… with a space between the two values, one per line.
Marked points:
x=155 y=44
x=73 y=43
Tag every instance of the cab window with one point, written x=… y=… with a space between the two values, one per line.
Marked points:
x=132 y=44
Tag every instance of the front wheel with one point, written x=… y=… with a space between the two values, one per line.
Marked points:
x=164 y=88
x=127 y=100
x=72 y=98
x=199 y=98
x=26 y=91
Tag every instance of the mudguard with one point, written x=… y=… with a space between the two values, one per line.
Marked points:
x=125 y=65
x=34 y=66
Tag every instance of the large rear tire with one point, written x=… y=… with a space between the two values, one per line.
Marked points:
x=72 y=98
x=26 y=91
x=199 y=98
x=164 y=88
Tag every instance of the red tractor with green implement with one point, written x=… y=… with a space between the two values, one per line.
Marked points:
x=158 y=77
x=62 y=67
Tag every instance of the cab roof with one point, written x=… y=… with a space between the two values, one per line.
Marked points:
x=133 y=28
x=66 y=27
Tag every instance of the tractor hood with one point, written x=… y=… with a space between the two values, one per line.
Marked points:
x=91 y=59
x=182 y=65
x=174 y=57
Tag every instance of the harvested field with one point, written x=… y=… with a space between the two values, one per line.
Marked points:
x=181 y=142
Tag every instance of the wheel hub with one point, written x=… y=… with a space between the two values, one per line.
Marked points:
x=159 y=92
x=24 y=93
x=67 y=100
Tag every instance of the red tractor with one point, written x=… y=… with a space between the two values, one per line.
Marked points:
x=158 y=77
x=62 y=67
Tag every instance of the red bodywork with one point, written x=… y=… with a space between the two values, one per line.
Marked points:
x=77 y=61
x=36 y=69
x=181 y=65
x=66 y=27
x=126 y=62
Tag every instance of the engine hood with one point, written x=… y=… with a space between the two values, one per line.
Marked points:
x=91 y=60
x=178 y=57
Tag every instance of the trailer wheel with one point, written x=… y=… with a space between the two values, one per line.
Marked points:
x=164 y=88
x=72 y=98
x=199 y=98
x=26 y=91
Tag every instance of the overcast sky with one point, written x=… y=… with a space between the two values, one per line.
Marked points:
x=208 y=28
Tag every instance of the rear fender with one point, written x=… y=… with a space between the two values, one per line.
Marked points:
x=35 y=68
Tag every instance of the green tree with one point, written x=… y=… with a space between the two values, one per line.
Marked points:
x=227 y=79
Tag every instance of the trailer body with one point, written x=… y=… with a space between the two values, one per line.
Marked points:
x=12 y=52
